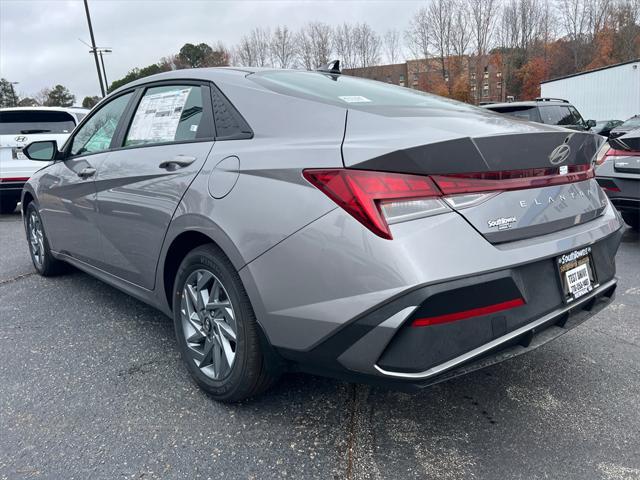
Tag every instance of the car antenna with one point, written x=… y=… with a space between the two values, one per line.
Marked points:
x=332 y=67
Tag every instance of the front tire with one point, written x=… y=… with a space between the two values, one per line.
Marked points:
x=216 y=329
x=41 y=255
x=632 y=219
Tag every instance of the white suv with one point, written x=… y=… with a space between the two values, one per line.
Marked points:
x=19 y=127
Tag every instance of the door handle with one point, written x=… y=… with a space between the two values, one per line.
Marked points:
x=179 y=161
x=87 y=172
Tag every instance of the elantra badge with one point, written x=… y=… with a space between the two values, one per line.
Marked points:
x=502 y=223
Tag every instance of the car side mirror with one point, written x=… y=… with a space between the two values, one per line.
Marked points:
x=44 y=151
x=591 y=123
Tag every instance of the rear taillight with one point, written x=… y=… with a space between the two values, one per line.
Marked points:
x=380 y=199
x=613 y=154
x=511 y=179
x=377 y=199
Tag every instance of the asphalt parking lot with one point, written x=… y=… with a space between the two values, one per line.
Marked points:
x=91 y=386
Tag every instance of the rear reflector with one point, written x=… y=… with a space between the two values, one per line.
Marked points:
x=14 y=179
x=474 y=312
x=376 y=198
x=511 y=179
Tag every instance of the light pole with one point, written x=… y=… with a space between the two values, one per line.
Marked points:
x=93 y=46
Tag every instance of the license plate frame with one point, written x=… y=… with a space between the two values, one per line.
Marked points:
x=571 y=268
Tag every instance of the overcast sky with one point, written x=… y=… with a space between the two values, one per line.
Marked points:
x=39 y=44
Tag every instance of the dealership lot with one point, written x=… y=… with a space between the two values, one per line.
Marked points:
x=92 y=387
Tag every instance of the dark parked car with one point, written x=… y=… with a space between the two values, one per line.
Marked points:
x=618 y=173
x=604 y=127
x=320 y=222
x=628 y=126
x=550 y=111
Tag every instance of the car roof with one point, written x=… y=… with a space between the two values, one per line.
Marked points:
x=55 y=109
x=528 y=103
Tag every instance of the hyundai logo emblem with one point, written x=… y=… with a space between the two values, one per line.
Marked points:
x=560 y=154
x=21 y=139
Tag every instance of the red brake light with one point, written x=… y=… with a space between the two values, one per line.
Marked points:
x=360 y=192
x=511 y=179
x=474 y=312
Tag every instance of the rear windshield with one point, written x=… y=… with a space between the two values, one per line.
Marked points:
x=351 y=92
x=526 y=113
x=35 y=121
x=633 y=122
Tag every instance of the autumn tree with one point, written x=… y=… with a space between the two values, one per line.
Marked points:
x=531 y=75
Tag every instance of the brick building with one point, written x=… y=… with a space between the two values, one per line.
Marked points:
x=465 y=77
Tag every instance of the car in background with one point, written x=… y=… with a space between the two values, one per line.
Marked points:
x=550 y=111
x=618 y=173
x=628 y=126
x=604 y=127
x=321 y=222
x=20 y=126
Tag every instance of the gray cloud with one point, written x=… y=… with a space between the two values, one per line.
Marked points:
x=39 y=44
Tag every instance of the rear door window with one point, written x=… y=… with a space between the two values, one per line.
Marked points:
x=24 y=122
x=560 y=115
x=168 y=114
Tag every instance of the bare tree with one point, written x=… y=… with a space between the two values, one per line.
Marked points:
x=440 y=39
x=460 y=29
x=392 y=47
x=574 y=19
x=483 y=17
x=367 y=45
x=344 y=44
x=314 y=45
x=254 y=50
x=283 y=47
x=417 y=38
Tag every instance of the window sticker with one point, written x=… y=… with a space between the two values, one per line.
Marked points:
x=354 y=99
x=157 y=117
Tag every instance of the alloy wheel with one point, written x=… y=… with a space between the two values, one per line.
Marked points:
x=36 y=239
x=209 y=324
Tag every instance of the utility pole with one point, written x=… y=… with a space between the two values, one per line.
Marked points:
x=13 y=93
x=93 y=47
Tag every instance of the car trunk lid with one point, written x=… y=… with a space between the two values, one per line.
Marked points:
x=525 y=179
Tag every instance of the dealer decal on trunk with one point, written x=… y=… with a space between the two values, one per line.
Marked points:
x=502 y=223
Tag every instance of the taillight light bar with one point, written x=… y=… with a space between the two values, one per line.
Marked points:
x=13 y=179
x=465 y=314
x=511 y=179
x=379 y=199
x=616 y=153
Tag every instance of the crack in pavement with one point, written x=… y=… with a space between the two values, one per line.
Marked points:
x=16 y=278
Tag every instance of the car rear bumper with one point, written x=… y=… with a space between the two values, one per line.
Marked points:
x=10 y=187
x=382 y=347
x=335 y=299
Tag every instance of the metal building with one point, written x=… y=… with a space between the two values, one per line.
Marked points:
x=609 y=93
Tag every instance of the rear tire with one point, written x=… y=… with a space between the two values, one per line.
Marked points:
x=41 y=256
x=216 y=328
x=632 y=219
x=8 y=205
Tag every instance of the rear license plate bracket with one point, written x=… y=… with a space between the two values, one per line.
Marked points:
x=577 y=274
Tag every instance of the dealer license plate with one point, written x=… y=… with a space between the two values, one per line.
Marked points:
x=577 y=275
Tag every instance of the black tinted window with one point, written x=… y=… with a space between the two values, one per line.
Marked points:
x=560 y=115
x=351 y=92
x=35 y=121
x=229 y=123
x=167 y=114
x=95 y=135
x=525 y=113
